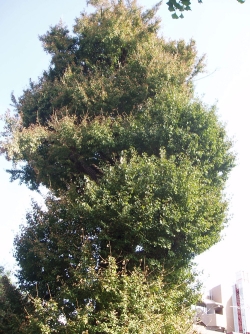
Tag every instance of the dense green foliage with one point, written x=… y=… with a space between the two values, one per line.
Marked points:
x=179 y=6
x=12 y=309
x=136 y=168
x=111 y=299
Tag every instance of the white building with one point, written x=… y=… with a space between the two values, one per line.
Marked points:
x=226 y=309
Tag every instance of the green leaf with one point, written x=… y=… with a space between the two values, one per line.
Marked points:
x=175 y=16
x=170 y=6
x=186 y=2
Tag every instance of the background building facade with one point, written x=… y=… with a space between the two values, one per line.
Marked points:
x=226 y=309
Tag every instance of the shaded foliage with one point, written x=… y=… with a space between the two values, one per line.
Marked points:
x=12 y=306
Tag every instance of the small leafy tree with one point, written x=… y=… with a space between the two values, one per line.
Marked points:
x=136 y=167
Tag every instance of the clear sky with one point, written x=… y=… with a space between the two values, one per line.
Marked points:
x=221 y=29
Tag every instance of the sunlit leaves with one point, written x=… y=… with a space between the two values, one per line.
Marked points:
x=119 y=301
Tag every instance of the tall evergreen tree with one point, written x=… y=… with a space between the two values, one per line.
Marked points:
x=136 y=167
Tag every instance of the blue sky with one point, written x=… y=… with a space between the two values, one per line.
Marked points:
x=221 y=30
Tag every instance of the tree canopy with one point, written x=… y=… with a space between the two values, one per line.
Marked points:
x=136 y=167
